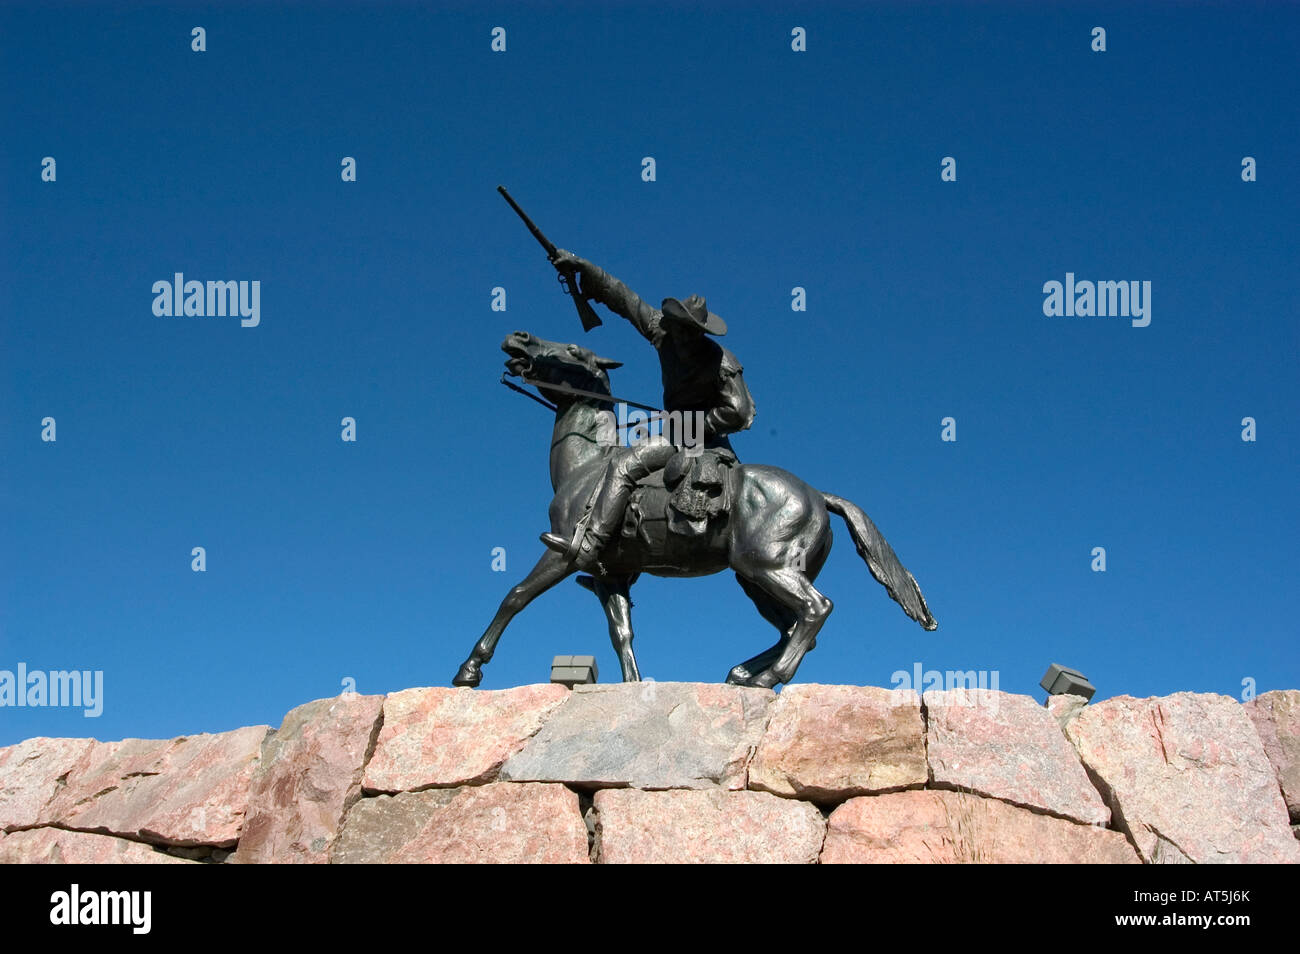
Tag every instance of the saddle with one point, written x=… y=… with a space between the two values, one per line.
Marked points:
x=698 y=491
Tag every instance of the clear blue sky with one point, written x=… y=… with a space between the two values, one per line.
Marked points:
x=372 y=561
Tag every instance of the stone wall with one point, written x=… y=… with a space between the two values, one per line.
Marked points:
x=679 y=772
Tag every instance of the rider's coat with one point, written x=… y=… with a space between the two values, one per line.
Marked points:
x=712 y=383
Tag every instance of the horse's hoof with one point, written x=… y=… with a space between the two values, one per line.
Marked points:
x=739 y=676
x=468 y=675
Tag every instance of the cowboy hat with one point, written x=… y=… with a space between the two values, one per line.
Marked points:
x=694 y=311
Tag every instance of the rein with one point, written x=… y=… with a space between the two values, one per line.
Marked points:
x=576 y=392
x=528 y=394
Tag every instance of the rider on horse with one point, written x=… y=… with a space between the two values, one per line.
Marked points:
x=699 y=376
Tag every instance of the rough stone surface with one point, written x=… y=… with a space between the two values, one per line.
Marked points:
x=954 y=827
x=1065 y=707
x=681 y=772
x=448 y=737
x=53 y=846
x=652 y=735
x=829 y=743
x=191 y=790
x=498 y=823
x=1277 y=720
x=308 y=777
x=709 y=826
x=377 y=828
x=1187 y=777
x=1009 y=747
x=30 y=775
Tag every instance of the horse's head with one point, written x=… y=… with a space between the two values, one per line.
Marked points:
x=549 y=362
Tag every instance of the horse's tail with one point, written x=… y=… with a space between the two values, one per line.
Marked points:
x=882 y=561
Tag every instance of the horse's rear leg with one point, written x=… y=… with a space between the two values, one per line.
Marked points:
x=613 y=593
x=792 y=589
x=550 y=569
x=780 y=616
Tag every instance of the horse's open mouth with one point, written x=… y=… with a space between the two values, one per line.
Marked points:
x=518 y=360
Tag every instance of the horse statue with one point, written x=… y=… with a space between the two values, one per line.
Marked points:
x=775 y=535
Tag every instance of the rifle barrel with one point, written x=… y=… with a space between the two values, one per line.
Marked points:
x=537 y=233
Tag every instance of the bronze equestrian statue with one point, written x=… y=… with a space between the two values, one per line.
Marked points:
x=665 y=507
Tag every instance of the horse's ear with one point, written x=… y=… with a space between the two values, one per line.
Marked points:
x=607 y=364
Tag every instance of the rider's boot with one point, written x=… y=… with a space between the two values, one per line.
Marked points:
x=593 y=532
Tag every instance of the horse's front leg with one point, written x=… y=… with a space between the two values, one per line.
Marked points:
x=613 y=593
x=550 y=569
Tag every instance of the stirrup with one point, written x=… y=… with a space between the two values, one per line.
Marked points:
x=567 y=549
x=589 y=559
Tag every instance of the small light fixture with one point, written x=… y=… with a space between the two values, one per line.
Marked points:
x=1062 y=681
x=573 y=670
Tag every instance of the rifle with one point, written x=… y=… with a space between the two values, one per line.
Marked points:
x=568 y=275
